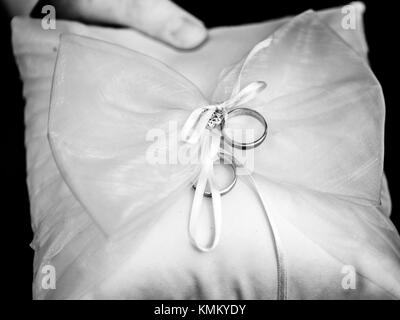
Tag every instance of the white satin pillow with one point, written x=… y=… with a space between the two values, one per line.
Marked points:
x=163 y=264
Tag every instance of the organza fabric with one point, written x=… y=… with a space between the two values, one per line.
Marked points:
x=115 y=226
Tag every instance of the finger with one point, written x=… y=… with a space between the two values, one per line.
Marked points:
x=166 y=21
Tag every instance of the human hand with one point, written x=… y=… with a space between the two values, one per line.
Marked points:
x=161 y=19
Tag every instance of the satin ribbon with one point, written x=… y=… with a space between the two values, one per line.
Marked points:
x=195 y=130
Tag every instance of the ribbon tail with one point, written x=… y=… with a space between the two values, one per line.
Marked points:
x=280 y=260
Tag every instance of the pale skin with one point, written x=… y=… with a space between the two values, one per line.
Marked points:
x=160 y=19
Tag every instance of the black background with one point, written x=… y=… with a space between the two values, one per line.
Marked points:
x=382 y=35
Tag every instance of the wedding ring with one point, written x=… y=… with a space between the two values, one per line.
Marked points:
x=218 y=119
x=246 y=112
x=229 y=187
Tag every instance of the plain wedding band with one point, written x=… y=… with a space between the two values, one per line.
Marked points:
x=254 y=114
x=231 y=184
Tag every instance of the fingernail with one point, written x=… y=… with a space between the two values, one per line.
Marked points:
x=187 y=33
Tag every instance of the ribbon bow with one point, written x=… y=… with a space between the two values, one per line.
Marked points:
x=200 y=117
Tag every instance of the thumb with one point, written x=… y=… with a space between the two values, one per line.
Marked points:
x=165 y=21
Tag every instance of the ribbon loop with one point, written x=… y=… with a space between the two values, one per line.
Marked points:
x=209 y=151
